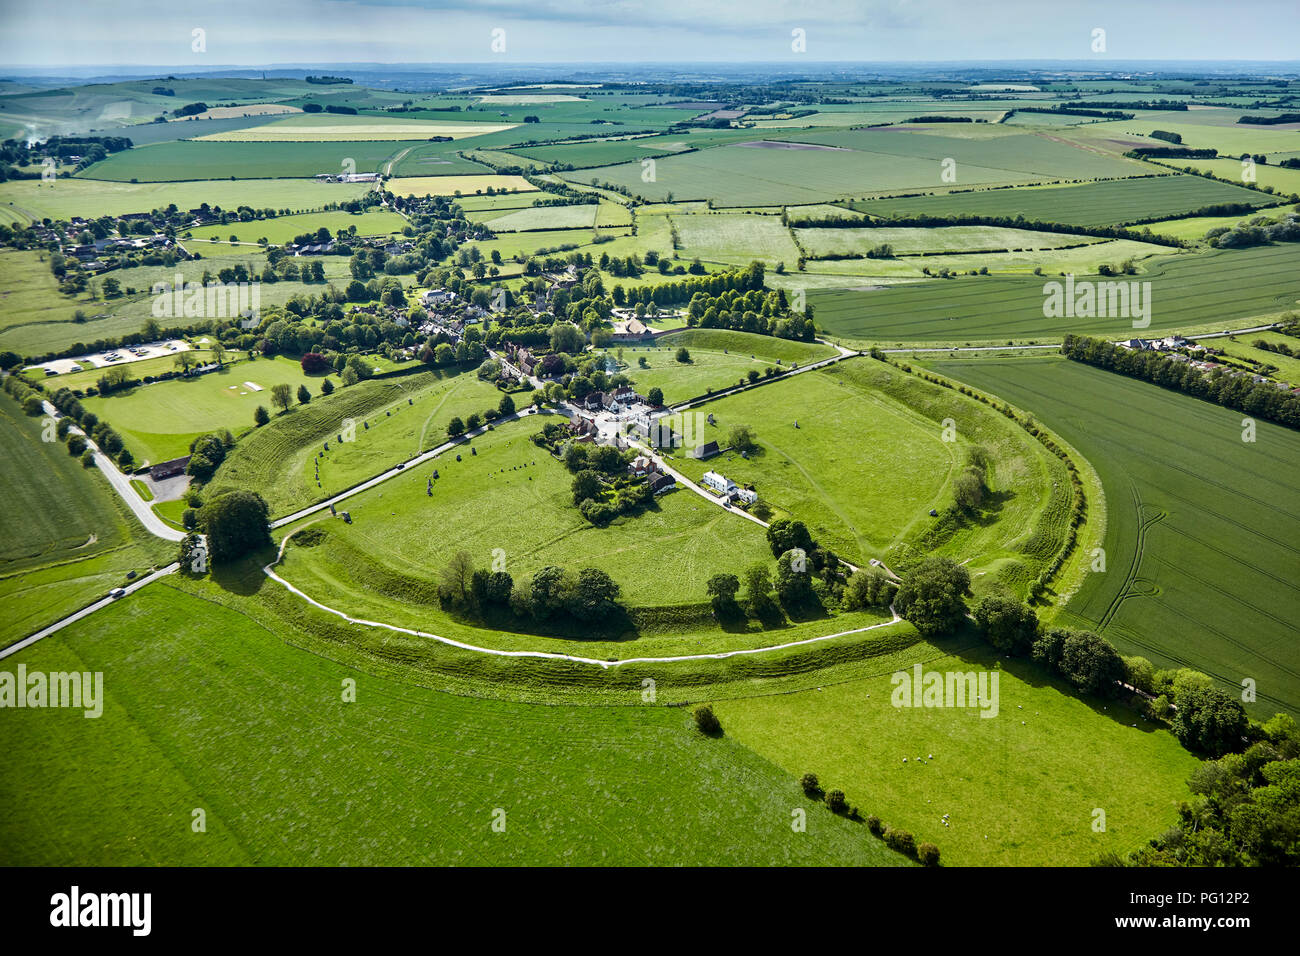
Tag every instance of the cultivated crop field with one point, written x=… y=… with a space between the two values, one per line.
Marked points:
x=186 y=160
x=314 y=129
x=848 y=242
x=1214 y=289
x=740 y=175
x=79 y=197
x=1201 y=526
x=68 y=539
x=1086 y=204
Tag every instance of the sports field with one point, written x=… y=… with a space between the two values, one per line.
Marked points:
x=159 y=421
x=1202 y=527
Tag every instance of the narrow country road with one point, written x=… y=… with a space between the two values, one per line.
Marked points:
x=411 y=463
x=87 y=610
x=122 y=485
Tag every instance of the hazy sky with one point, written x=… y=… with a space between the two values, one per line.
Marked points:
x=267 y=32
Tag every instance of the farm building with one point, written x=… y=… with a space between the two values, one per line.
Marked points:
x=169 y=469
x=634 y=330
x=708 y=450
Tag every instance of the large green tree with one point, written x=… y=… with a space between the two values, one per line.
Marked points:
x=932 y=596
x=1007 y=624
x=236 y=523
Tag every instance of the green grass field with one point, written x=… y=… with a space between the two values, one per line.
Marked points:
x=735 y=238
x=1243 y=347
x=1021 y=788
x=67 y=539
x=869 y=460
x=33 y=305
x=1086 y=204
x=278 y=460
x=1214 y=289
x=513 y=496
x=719 y=359
x=227 y=717
x=541 y=217
x=1201 y=527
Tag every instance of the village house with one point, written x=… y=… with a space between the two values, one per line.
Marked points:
x=437 y=297
x=660 y=482
x=718 y=483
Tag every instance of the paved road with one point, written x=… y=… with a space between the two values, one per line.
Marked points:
x=88 y=610
x=737 y=389
x=122 y=485
x=411 y=463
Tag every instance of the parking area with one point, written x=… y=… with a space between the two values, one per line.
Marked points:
x=118 y=356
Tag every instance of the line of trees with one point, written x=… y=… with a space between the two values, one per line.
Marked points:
x=924 y=221
x=588 y=595
x=31 y=396
x=1236 y=391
